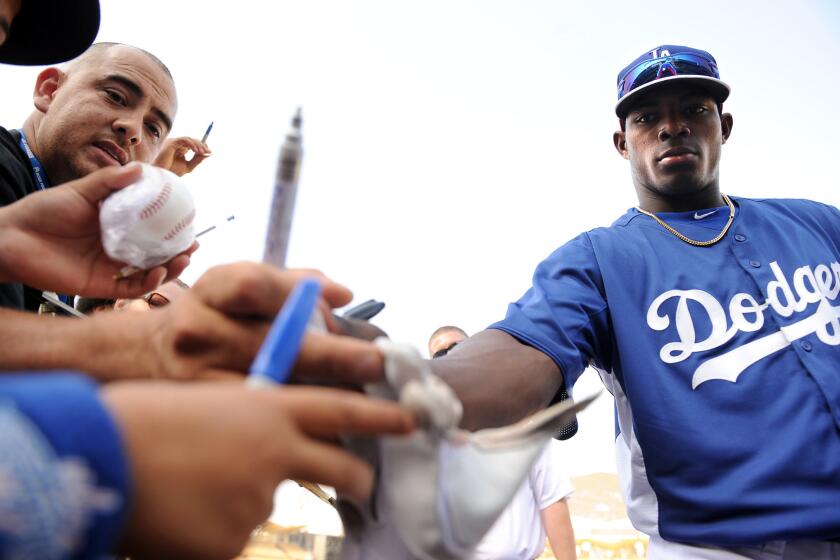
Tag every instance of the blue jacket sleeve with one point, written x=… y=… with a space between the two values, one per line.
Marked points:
x=64 y=478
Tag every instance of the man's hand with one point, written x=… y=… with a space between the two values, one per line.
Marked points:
x=213 y=331
x=51 y=240
x=217 y=327
x=173 y=155
x=206 y=458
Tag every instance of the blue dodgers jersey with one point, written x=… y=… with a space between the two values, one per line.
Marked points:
x=724 y=362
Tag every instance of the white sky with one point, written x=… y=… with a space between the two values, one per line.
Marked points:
x=451 y=145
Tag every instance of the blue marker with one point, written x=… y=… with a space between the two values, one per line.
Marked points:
x=277 y=354
x=206 y=134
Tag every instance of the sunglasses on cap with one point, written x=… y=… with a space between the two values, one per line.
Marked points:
x=444 y=351
x=681 y=64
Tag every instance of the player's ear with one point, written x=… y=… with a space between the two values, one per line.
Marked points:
x=725 y=126
x=45 y=87
x=620 y=143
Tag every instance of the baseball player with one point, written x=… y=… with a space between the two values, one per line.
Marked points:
x=714 y=321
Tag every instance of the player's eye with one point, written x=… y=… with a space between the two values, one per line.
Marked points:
x=643 y=118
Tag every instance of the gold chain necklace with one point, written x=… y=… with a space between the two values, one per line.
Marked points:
x=717 y=238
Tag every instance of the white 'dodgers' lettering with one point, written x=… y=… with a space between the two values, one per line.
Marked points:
x=745 y=314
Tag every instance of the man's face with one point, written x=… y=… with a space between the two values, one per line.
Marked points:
x=111 y=109
x=164 y=295
x=443 y=341
x=673 y=138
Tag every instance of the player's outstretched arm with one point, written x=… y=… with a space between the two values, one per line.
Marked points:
x=206 y=457
x=51 y=240
x=488 y=369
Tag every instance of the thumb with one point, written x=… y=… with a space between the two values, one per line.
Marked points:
x=99 y=184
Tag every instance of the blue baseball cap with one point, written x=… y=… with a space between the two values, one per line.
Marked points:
x=664 y=64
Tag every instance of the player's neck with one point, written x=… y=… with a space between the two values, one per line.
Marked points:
x=656 y=201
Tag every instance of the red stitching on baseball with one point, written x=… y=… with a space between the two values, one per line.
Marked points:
x=158 y=203
x=180 y=226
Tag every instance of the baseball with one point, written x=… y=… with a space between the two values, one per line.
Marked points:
x=150 y=221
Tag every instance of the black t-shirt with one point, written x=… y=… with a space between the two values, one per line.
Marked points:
x=16 y=181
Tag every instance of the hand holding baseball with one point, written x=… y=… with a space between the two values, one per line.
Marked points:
x=150 y=221
x=51 y=240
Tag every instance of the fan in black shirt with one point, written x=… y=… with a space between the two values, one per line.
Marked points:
x=16 y=181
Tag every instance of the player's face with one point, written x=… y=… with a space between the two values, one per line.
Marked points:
x=673 y=138
x=108 y=111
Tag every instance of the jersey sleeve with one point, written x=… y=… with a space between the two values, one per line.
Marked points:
x=549 y=481
x=564 y=314
x=63 y=473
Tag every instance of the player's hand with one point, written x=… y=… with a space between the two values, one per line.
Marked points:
x=173 y=155
x=51 y=240
x=206 y=458
x=218 y=326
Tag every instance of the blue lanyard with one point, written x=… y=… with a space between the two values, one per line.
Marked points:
x=40 y=180
x=37 y=168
